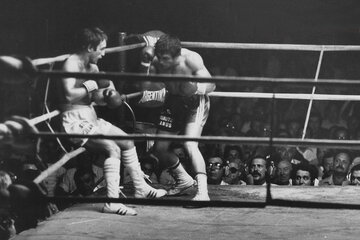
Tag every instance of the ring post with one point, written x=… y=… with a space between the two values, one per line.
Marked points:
x=122 y=54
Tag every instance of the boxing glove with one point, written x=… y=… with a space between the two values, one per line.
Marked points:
x=112 y=98
x=152 y=36
x=103 y=83
x=147 y=55
x=90 y=85
x=97 y=97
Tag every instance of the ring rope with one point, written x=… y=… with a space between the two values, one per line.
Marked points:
x=219 y=45
x=312 y=94
x=267 y=46
x=43 y=61
x=124 y=48
x=352 y=144
x=298 y=96
x=53 y=168
x=219 y=79
x=212 y=203
x=44 y=117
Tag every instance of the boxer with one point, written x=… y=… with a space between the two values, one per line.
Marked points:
x=79 y=117
x=186 y=108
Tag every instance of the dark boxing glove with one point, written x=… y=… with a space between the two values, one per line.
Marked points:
x=113 y=98
x=103 y=83
x=147 y=55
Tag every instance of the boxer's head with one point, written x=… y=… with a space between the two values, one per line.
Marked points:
x=167 y=48
x=92 y=40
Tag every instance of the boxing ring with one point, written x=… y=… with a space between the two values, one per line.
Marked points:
x=243 y=212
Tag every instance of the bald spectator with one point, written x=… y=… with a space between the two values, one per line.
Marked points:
x=342 y=161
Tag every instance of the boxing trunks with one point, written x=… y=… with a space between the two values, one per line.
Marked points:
x=82 y=119
x=179 y=111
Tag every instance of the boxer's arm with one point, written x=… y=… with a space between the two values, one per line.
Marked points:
x=196 y=63
x=73 y=93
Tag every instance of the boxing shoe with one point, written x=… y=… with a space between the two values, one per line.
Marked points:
x=201 y=197
x=149 y=192
x=118 y=208
x=180 y=186
x=202 y=191
x=183 y=181
x=142 y=189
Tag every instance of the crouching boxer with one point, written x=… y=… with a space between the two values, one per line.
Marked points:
x=79 y=117
x=186 y=109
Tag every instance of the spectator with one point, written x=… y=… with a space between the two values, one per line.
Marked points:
x=294 y=128
x=286 y=153
x=235 y=175
x=305 y=175
x=283 y=173
x=327 y=164
x=339 y=133
x=355 y=175
x=332 y=116
x=342 y=161
x=215 y=171
x=232 y=153
x=85 y=182
x=315 y=122
x=67 y=185
x=149 y=167
x=257 y=171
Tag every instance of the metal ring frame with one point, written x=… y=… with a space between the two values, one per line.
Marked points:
x=273 y=82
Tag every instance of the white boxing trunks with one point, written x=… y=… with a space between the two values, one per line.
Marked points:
x=82 y=119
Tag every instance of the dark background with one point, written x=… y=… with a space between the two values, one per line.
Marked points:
x=40 y=28
x=37 y=28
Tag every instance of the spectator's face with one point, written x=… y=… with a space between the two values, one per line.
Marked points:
x=147 y=168
x=86 y=184
x=215 y=169
x=303 y=178
x=286 y=153
x=233 y=154
x=258 y=170
x=233 y=174
x=341 y=135
x=341 y=163
x=355 y=178
x=284 y=172
x=98 y=52
x=328 y=164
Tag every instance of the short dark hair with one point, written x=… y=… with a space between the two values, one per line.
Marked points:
x=89 y=37
x=168 y=44
x=228 y=148
x=306 y=167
